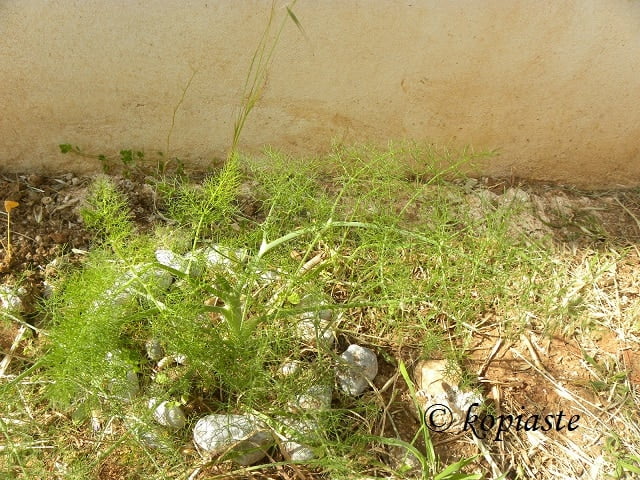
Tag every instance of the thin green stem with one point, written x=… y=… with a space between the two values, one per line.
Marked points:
x=266 y=247
x=256 y=78
x=175 y=111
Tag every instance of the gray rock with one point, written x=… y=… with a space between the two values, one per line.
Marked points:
x=314 y=330
x=470 y=184
x=150 y=436
x=219 y=256
x=167 y=413
x=317 y=397
x=125 y=389
x=515 y=195
x=118 y=295
x=405 y=462
x=289 y=368
x=154 y=349
x=151 y=439
x=315 y=326
x=360 y=367
x=48 y=289
x=268 y=276
x=161 y=278
x=241 y=438
x=486 y=196
x=294 y=436
x=130 y=285
x=187 y=264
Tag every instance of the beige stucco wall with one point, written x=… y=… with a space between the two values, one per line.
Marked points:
x=553 y=86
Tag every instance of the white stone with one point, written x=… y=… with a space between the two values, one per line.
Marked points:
x=130 y=284
x=314 y=330
x=268 y=276
x=219 y=256
x=187 y=264
x=217 y=259
x=175 y=359
x=181 y=358
x=317 y=397
x=151 y=439
x=9 y=299
x=360 y=367
x=123 y=388
x=486 y=196
x=148 y=274
x=289 y=368
x=116 y=295
x=241 y=438
x=47 y=289
x=515 y=195
x=436 y=386
x=296 y=452
x=167 y=413
x=292 y=438
x=162 y=278
x=316 y=325
x=127 y=388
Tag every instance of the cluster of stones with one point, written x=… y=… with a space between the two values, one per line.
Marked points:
x=246 y=438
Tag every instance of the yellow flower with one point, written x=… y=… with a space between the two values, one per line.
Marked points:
x=10 y=205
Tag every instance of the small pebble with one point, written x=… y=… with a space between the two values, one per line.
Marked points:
x=317 y=397
x=167 y=413
x=289 y=368
x=293 y=439
x=154 y=350
x=360 y=369
x=35 y=180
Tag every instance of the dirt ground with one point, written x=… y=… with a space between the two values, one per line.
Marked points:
x=528 y=371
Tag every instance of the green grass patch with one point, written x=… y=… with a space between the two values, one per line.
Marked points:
x=397 y=261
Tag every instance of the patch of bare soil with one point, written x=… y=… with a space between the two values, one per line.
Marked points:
x=47 y=223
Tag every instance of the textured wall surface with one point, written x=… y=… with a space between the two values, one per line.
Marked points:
x=553 y=86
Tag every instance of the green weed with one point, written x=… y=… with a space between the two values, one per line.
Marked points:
x=107 y=213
